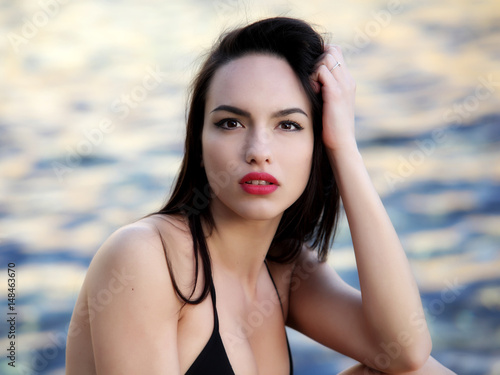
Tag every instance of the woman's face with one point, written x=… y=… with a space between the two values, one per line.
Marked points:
x=257 y=138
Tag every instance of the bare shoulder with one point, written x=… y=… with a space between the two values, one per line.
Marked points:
x=289 y=276
x=130 y=246
x=135 y=255
x=145 y=239
x=129 y=285
x=311 y=275
x=308 y=258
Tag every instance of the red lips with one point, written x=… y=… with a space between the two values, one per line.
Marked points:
x=270 y=186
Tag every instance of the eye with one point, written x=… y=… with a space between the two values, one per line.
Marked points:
x=228 y=124
x=290 y=126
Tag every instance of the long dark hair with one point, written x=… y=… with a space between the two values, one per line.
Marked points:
x=312 y=219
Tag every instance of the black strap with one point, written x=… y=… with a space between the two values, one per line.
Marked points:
x=212 y=294
x=281 y=305
x=278 y=293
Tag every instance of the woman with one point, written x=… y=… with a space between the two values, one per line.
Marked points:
x=208 y=283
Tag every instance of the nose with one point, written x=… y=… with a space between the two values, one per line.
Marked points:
x=258 y=147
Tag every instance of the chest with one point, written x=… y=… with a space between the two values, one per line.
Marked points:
x=252 y=333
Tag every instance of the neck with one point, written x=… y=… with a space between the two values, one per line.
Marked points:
x=239 y=247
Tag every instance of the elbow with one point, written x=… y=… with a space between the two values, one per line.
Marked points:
x=415 y=361
x=413 y=358
x=399 y=358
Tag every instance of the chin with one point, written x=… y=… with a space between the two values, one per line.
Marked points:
x=262 y=210
x=252 y=209
x=258 y=212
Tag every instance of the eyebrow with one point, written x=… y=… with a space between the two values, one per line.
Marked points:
x=241 y=112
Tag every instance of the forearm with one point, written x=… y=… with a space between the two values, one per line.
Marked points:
x=390 y=297
x=430 y=367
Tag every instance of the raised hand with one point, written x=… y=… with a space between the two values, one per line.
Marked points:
x=338 y=88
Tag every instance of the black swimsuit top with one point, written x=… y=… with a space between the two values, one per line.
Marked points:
x=213 y=358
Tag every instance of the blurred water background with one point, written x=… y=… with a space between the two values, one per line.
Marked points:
x=92 y=101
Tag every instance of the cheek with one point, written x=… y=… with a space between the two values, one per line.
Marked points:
x=298 y=163
x=304 y=152
x=209 y=148
x=304 y=166
x=220 y=162
x=218 y=153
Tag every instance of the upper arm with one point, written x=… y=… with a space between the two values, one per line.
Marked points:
x=133 y=308
x=325 y=308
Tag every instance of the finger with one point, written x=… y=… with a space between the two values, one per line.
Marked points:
x=336 y=52
x=334 y=67
x=325 y=77
x=341 y=72
x=321 y=67
x=323 y=73
x=326 y=59
x=332 y=60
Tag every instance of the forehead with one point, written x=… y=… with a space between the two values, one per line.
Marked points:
x=257 y=81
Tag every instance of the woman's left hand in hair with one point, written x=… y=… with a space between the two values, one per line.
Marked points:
x=338 y=88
